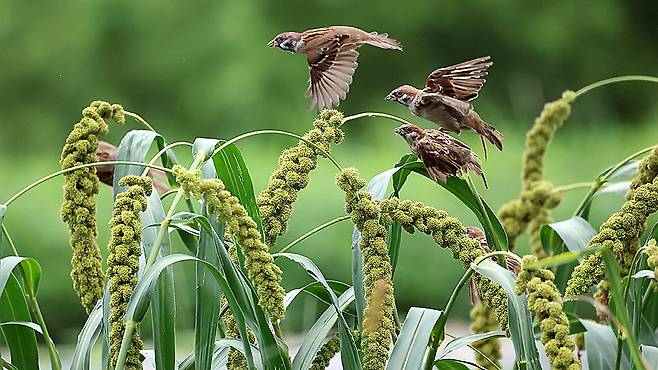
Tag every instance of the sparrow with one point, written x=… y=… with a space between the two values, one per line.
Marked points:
x=446 y=96
x=442 y=154
x=107 y=152
x=331 y=55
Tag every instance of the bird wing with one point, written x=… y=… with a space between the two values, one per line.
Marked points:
x=331 y=67
x=462 y=81
x=437 y=157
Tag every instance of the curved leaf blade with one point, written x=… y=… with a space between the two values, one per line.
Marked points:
x=409 y=350
x=465 y=340
x=22 y=341
x=87 y=338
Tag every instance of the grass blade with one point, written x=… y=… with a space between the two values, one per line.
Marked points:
x=133 y=147
x=613 y=275
x=410 y=348
x=232 y=170
x=22 y=341
x=651 y=354
x=450 y=365
x=601 y=344
x=465 y=340
x=87 y=338
x=318 y=332
x=349 y=353
x=317 y=290
x=520 y=321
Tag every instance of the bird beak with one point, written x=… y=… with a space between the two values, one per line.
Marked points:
x=272 y=43
x=390 y=97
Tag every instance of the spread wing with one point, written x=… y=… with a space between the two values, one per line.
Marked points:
x=331 y=68
x=462 y=81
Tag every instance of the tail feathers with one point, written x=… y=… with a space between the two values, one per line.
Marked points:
x=475 y=167
x=494 y=136
x=381 y=40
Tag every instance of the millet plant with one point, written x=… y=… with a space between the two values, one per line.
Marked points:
x=542 y=302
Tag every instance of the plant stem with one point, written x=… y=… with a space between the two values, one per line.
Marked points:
x=139 y=119
x=5 y=232
x=55 y=362
x=313 y=231
x=438 y=333
x=276 y=132
x=125 y=342
x=578 y=185
x=615 y=80
x=168 y=193
x=74 y=168
x=155 y=251
x=163 y=151
x=373 y=114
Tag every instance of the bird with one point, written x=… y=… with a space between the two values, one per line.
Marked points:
x=107 y=152
x=331 y=55
x=442 y=154
x=446 y=96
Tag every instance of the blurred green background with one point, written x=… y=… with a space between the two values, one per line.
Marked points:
x=201 y=68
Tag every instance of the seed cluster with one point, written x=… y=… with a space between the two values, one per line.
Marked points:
x=79 y=206
x=276 y=201
x=652 y=260
x=326 y=353
x=545 y=301
x=536 y=197
x=262 y=271
x=447 y=232
x=621 y=232
x=378 y=315
x=123 y=263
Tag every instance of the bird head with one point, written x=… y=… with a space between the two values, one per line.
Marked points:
x=410 y=132
x=289 y=41
x=403 y=94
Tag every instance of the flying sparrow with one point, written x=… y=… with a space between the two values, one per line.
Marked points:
x=442 y=154
x=445 y=99
x=331 y=55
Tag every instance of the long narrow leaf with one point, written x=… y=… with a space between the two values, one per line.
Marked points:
x=22 y=341
x=601 y=345
x=349 y=353
x=87 y=338
x=410 y=348
x=520 y=321
x=318 y=332
x=465 y=340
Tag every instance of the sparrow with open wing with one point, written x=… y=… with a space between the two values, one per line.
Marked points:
x=445 y=99
x=442 y=154
x=331 y=55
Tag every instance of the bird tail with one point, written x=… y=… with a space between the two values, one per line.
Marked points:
x=487 y=131
x=475 y=167
x=381 y=40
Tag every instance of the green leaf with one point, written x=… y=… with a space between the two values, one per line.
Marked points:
x=30 y=268
x=317 y=290
x=651 y=354
x=141 y=296
x=207 y=294
x=232 y=170
x=349 y=353
x=465 y=340
x=318 y=332
x=163 y=303
x=601 y=345
x=27 y=324
x=520 y=320
x=133 y=147
x=22 y=341
x=3 y=209
x=87 y=338
x=613 y=275
x=409 y=350
x=450 y=365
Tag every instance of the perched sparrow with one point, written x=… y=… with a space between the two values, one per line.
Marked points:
x=442 y=154
x=331 y=55
x=445 y=99
x=107 y=152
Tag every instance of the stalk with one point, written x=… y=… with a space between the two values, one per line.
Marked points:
x=163 y=151
x=71 y=169
x=373 y=114
x=277 y=132
x=139 y=119
x=615 y=80
x=313 y=231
